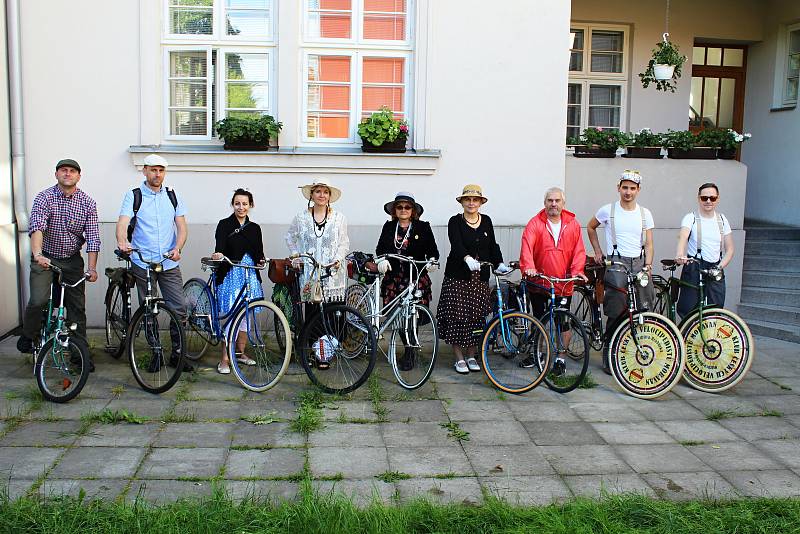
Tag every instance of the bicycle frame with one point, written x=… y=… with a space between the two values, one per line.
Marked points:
x=53 y=327
x=630 y=291
x=552 y=328
x=500 y=307
x=701 y=298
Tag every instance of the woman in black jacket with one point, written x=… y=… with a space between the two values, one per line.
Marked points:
x=239 y=239
x=464 y=303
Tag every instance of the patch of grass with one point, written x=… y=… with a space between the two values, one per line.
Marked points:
x=118 y=390
x=34 y=397
x=11 y=395
x=454 y=431
x=716 y=415
x=183 y=393
x=587 y=382
x=392 y=476
x=172 y=417
x=445 y=476
x=264 y=419
x=309 y=413
x=332 y=478
x=767 y=413
x=377 y=397
x=113 y=417
x=501 y=395
x=691 y=443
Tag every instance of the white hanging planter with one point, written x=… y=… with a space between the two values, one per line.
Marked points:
x=663 y=72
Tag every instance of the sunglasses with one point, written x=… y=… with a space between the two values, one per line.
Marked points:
x=403 y=207
x=706 y=199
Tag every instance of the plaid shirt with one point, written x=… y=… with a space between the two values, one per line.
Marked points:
x=67 y=222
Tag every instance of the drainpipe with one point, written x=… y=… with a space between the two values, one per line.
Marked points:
x=18 y=184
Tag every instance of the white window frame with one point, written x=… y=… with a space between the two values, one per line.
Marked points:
x=218 y=32
x=357 y=29
x=785 y=76
x=585 y=101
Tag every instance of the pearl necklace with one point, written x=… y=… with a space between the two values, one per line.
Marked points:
x=472 y=224
x=398 y=243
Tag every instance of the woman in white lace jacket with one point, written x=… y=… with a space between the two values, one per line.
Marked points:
x=321 y=230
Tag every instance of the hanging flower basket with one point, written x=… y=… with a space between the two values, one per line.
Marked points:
x=665 y=56
x=663 y=72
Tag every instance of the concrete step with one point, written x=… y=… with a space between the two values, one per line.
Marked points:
x=771 y=279
x=772 y=247
x=789 y=315
x=773 y=232
x=775 y=330
x=776 y=297
x=771 y=263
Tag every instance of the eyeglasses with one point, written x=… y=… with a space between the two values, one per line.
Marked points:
x=403 y=207
x=706 y=199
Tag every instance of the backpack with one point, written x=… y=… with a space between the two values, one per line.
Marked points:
x=137 y=203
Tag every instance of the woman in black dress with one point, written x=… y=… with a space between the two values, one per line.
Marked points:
x=464 y=303
x=407 y=235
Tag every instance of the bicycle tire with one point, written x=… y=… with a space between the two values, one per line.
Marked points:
x=654 y=370
x=116 y=320
x=575 y=356
x=271 y=359
x=503 y=364
x=714 y=366
x=581 y=306
x=335 y=327
x=61 y=371
x=154 y=371
x=200 y=333
x=424 y=336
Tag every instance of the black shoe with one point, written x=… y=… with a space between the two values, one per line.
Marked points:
x=187 y=367
x=406 y=361
x=528 y=362
x=606 y=368
x=560 y=367
x=25 y=345
x=77 y=360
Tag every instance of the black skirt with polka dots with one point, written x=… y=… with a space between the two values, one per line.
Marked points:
x=463 y=307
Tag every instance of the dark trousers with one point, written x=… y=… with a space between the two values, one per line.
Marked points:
x=74 y=299
x=170 y=284
x=714 y=290
x=615 y=302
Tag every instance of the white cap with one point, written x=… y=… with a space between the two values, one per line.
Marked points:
x=631 y=176
x=154 y=160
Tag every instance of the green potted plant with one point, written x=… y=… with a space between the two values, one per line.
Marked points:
x=644 y=144
x=664 y=68
x=726 y=141
x=381 y=132
x=248 y=132
x=599 y=143
x=684 y=144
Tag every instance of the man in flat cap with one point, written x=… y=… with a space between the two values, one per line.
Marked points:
x=63 y=218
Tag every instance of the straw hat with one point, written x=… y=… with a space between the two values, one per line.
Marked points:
x=406 y=196
x=306 y=189
x=472 y=190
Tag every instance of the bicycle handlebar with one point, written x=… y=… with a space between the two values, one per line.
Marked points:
x=209 y=261
x=671 y=264
x=56 y=269
x=408 y=259
x=512 y=266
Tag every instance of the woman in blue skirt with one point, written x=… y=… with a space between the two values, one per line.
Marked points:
x=238 y=238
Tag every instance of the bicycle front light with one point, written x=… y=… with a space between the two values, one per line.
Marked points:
x=418 y=293
x=715 y=274
x=643 y=278
x=158 y=268
x=73 y=327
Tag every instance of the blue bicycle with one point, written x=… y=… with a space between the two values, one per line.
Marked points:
x=263 y=353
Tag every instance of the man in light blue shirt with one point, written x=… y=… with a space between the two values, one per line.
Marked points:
x=160 y=231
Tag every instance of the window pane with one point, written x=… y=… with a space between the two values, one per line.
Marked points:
x=710 y=100
x=695 y=105
x=247 y=23
x=191 y=16
x=604 y=117
x=606 y=62
x=187 y=122
x=373 y=98
x=791 y=89
x=188 y=64
x=383 y=70
x=247 y=95
x=187 y=94
x=574 y=91
x=247 y=4
x=794 y=42
x=604 y=106
x=733 y=57
x=714 y=56
x=329 y=97
x=251 y=67
x=328 y=125
x=604 y=95
x=794 y=66
x=607 y=41
x=385 y=19
x=726 y=92
x=576 y=56
x=573 y=115
x=573 y=132
x=698 y=55
x=385 y=6
x=329 y=19
x=329 y=68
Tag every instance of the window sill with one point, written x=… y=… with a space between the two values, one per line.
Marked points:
x=199 y=158
x=787 y=107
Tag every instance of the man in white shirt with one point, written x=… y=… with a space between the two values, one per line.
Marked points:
x=629 y=240
x=715 y=249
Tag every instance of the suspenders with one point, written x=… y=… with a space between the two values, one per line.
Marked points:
x=699 y=225
x=612 y=225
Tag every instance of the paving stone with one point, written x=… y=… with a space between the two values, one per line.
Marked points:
x=755 y=385
x=361 y=492
x=168 y=491
x=416 y=411
x=99 y=462
x=210 y=410
x=655 y=458
x=261 y=491
x=550 y=433
x=152 y=409
x=26 y=462
x=121 y=435
x=469 y=410
x=265 y=463
x=598 y=486
x=734 y=406
x=499 y=433
x=226 y=390
x=347 y=435
x=105 y=490
x=184 y=463
x=359 y=410
x=785 y=404
x=778 y=483
x=757 y=428
x=16 y=488
x=466 y=390
x=638 y=433
x=703 y=485
x=511 y=460
x=195 y=435
x=584 y=460
x=405 y=434
x=74 y=409
x=603 y=412
x=556 y=412
x=785 y=451
x=429 y=461
x=13 y=407
x=283 y=410
x=668 y=410
x=352 y=462
x=534 y=490
x=272 y=435
x=708 y=431
x=43 y=434
x=724 y=456
x=466 y=490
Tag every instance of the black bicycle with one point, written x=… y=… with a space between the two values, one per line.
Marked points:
x=118 y=304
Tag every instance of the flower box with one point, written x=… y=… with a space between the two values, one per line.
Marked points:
x=648 y=152
x=396 y=146
x=698 y=152
x=726 y=153
x=246 y=146
x=583 y=151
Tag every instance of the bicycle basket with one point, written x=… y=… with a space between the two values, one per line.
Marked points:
x=280 y=271
x=357 y=268
x=593 y=270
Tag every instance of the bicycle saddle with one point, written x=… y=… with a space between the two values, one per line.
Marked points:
x=669 y=263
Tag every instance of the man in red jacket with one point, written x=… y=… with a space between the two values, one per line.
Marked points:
x=552 y=244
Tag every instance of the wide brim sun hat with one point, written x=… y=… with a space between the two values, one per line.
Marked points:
x=403 y=196
x=472 y=190
x=336 y=193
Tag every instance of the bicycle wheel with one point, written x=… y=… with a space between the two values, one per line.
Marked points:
x=336 y=350
x=200 y=332
x=116 y=319
x=413 y=348
x=62 y=368
x=582 y=306
x=648 y=360
x=259 y=324
x=155 y=339
x=510 y=361
x=725 y=357
x=569 y=344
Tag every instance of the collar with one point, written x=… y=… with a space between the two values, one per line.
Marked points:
x=566 y=216
x=61 y=192
x=235 y=221
x=146 y=189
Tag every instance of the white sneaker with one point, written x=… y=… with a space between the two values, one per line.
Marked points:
x=461 y=367
x=472 y=363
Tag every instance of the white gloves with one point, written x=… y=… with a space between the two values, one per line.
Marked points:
x=503 y=268
x=472 y=263
x=297 y=262
x=432 y=267
x=384 y=266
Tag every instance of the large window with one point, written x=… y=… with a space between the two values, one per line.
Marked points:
x=792 y=63
x=218 y=63
x=598 y=77
x=357 y=59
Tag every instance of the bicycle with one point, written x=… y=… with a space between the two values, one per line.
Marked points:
x=118 y=305
x=719 y=344
x=62 y=363
x=567 y=337
x=646 y=350
x=509 y=338
x=258 y=317
x=412 y=325
x=585 y=304
x=151 y=322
